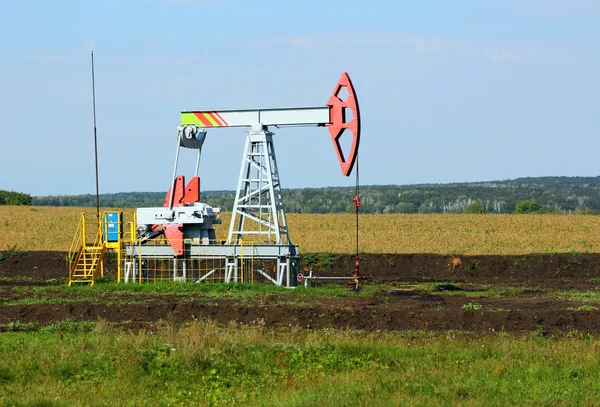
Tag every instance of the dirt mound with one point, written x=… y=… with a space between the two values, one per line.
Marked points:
x=548 y=270
x=36 y=266
x=525 y=310
x=571 y=270
x=386 y=312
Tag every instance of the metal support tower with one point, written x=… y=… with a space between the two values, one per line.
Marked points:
x=258 y=215
x=258 y=210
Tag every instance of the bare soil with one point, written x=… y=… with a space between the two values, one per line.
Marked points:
x=396 y=306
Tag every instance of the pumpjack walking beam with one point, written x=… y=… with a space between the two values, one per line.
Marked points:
x=339 y=114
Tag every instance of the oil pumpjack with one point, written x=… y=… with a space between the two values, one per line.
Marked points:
x=258 y=227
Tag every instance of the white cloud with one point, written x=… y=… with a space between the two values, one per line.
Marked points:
x=182 y=2
x=300 y=41
x=315 y=43
x=193 y=2
x=318 y=43
x=158 y=60
x=51 y=57
x=423 y=46
x=499 y=55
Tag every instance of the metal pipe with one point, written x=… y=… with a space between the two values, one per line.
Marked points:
x=174 y=268
x=198 y=162
x=95 y=137
x=315 y=278
x=172 y=197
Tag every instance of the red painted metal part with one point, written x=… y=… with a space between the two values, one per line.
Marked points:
x=356 y=201
x=174 y=235
x=192 y=191
x=179 y=192
x=337 y=114
x=183 y=196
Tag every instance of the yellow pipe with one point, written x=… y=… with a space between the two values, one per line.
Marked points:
x=83 y=229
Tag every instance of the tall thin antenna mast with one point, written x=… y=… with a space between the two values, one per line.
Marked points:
x=95 y=133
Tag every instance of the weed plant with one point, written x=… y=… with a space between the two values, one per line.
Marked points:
x=471 y=307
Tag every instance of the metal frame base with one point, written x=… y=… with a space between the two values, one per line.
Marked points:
x=231 y=256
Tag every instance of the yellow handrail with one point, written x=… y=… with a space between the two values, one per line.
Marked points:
x=100 y=242
x=78 y=241
x=78 y=245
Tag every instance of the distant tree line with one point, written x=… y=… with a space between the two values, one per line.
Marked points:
x=553 y=195
x=15 y=198
x=222 y=199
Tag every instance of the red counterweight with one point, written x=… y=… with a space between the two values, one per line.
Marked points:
x=182 y=196
x=338 y=111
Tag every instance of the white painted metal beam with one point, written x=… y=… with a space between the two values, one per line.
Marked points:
x=266 y=117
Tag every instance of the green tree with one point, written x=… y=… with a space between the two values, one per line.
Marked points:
x=528 y=206
x=4 y=197
x=549 y=210
x=405 y=207
x=589 y=211
x=427 y=207
x=15 y=198
x=475 y=207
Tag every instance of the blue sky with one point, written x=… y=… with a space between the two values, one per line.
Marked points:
x=449 y=90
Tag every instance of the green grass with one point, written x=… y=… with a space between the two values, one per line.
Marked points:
x=502 y=291
x=592 y=296
x=321 y=261
x=471 y=307
x=583 y=308
x=70 y=326
x=497 y=310
x=50 y=300
x=471 y=290
x=122 y=294
x=206 y=364
x=112 y=291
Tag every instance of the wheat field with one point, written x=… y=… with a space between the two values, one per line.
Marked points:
x=52 y=228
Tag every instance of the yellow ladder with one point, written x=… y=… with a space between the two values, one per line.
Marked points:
x=85 y=259
x=85 y=268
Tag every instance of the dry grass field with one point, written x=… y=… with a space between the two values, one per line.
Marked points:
x=52 y=228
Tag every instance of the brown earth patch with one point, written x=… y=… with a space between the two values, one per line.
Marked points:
x=390 y=309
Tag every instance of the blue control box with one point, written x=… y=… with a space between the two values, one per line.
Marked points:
x=112 y=227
